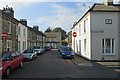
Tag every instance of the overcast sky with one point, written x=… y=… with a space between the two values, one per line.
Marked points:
x=50 y=13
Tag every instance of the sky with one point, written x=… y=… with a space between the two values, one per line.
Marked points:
x=50 y=13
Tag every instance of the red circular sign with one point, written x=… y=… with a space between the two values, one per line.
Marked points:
x=74 y=34
x=4 y=34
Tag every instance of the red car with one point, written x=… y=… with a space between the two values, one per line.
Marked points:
x=11 y=60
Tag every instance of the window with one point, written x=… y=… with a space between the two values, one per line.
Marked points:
x=9 y=25
x=85 y=26
x=24 y=32
x=80 y=29
x=108 y=46
x=18 y=30
x=85 y=43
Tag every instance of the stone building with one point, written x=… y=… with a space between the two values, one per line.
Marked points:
x=0 y=31
x=53 y=39
x=35 y=37
x=9 y=25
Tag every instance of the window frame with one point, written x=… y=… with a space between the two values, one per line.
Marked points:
x=112 y=46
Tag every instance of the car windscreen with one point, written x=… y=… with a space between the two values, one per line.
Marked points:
x=67 y=49
x=28 y=51
x=5 y=57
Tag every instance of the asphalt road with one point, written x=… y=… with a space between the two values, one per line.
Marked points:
x=51 y=65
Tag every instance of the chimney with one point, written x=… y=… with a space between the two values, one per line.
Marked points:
x=108 y=2
x=23 y=21
x=9 y=11
x=35 y=27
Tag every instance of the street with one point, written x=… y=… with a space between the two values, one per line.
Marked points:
x=51 y=65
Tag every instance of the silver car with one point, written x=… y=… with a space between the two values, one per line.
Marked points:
x=29 y=54
x=38 y=49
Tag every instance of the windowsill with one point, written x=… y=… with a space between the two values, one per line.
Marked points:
x=111 y=54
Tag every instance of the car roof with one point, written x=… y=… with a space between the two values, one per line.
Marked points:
x=8 y=52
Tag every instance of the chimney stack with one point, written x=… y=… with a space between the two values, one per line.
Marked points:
x=108 y=2
x=23 y=21
x=35 y=27
x=8 y=10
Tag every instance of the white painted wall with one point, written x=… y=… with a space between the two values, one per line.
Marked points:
x=110 y=31
x=79 y=28
x=21 y=38
x=96 y=22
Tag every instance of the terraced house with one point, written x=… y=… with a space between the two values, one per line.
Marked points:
x=98 y=32
x=16 y=35
x=35 y=37
x=9 y=25
x=0 y=31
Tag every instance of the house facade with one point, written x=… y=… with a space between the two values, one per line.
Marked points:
x=35 y=37
x=9 y=26
x=22 y=35
x=53 y=39
x=98 y=33
x=0 y=31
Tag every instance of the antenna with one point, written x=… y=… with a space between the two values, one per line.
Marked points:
x=6 y=6
x=84 y=7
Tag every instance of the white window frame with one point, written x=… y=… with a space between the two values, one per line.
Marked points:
x=79 y=29
x=10 y=27
x=112 y=47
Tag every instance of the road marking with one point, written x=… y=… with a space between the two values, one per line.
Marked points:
x=74 y=61
x=69 y=61
x=118 y=70
x=85 y=64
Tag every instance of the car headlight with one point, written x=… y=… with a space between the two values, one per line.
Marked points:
x=72 y=53
x=63 y=53
x=1 y=68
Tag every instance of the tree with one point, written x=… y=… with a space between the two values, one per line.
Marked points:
x=64 y=43
x=48 y=29
x=57 y=29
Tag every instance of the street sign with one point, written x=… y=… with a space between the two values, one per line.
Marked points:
x=74 y=34
x=4 y=34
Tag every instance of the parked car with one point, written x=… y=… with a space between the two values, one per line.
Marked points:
x=67 y=52
x=38 y=49
x=29 y=54
x=11 y=60
x=47 y=48
x=60 y=49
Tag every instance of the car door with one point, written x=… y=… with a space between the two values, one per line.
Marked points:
x=13 y=60
x=18 y=57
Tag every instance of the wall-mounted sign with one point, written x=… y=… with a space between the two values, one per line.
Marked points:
x=97 y=31
x=108 y=21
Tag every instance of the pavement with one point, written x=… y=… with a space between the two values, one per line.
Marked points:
x=81 y=61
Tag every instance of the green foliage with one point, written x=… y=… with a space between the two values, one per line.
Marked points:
x=48 y=29
x=57 y=29
x=64 y=43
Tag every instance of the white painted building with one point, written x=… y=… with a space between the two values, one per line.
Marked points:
x=22 y=37
x=98 y=33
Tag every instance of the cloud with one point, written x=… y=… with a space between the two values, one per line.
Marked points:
x=62 y=17
x=15 y=5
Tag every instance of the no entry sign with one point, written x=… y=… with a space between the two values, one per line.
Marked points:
x=4 y=34
x=74 y=34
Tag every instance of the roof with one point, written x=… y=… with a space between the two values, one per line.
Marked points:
x=106 y=8
x=38 y=32
x=101 y=8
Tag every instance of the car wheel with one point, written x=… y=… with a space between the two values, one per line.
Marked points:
x=7 y=73
x=21 y=64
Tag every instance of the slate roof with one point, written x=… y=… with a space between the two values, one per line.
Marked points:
x=102 y=7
